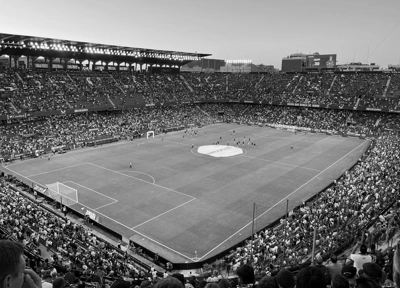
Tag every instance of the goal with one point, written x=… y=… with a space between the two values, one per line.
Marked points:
x=149 y=134
x=62 y=193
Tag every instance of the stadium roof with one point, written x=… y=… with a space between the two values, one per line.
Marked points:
x=12 y=44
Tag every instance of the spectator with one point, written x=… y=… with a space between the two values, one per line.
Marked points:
x=59 y=282
x=12 y=267
x=366 y=283
x=212 y=285
x=310 y=276
x=214 y=278
x=334 y=268
x=350 y=273
x=361 y=258
x=245 y=274
x=47 y=281
x=319 y=264
x=373 y=271
x=180 y=277
x=169 y=282
x=340 y=281
x=119 y=283
x=223 y=283
x=267 y=282
x=285 y=279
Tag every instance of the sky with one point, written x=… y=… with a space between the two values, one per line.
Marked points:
x=264 y=31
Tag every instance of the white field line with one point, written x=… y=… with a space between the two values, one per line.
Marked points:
x=180 y=143
x=33 y=175
x=281 y=200
x=155 y=241
x=327 y=137
x=163 y=245
x=168 y=189
x=91 y=190
x=163 y=213
x=105 y=205
x=240 y=127
x=281 y=163
x=154 y=180
x=288 y=138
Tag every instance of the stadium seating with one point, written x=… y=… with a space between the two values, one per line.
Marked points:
x=339 y=213
x=41 y=91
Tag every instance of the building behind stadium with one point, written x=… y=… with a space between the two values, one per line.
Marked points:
x=226 y=66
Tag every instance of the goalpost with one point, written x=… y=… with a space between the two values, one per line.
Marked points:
x=62 y=193
x=149 y=134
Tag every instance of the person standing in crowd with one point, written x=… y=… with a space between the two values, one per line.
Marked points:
x=319 y=264
x=361 y=258
x=13 y=273
x=339 y=281
x=334 y=268
x=350 y=273
x=309 y=277
x=285 y=279
x=246 y=275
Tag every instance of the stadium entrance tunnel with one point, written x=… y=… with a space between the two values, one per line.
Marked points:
x=220 y=151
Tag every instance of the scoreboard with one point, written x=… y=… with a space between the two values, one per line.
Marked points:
x=321 y=61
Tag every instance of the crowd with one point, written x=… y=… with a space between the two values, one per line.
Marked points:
x=75 y=130
x=365 y=195
x=26 y=90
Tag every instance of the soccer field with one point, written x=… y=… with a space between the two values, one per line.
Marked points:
x=175 y=200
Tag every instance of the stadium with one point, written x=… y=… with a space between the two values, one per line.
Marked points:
x=115 y=161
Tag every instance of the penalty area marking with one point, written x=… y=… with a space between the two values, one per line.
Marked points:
x=105 y=205
x=90 y=190
x=154 y=180
x=155 y=217
x=168 y=189
x=334 y=163
x=54 y=170
x=155 y=241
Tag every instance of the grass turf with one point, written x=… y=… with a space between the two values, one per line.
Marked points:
x=183 y=204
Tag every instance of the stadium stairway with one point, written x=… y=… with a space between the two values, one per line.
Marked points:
x=297 y=85
x=387 y=86
x=118 y=85
x=204 y=112
x=111 y=102
x=245 y=110
x=330 y=88
x=258 y=83
x=69 y=105
x=20 y=78
x=72 y=80
x=186 y=83
x=13 y=107
x=358 y=101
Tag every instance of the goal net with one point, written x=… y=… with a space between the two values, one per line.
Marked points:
x=62 y=193
x=150 y=134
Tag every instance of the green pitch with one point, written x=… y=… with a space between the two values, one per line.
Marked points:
x=176 y=201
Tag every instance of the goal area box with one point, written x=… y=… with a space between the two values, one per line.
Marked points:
x=62 y=193
x=149 y=134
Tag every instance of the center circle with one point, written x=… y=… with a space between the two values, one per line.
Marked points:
x=220 y=150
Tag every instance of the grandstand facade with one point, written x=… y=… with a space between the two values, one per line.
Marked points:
x=57 y=104
x=94 y=56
